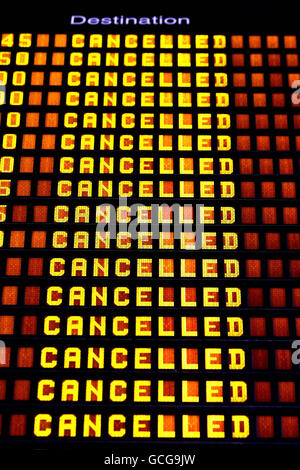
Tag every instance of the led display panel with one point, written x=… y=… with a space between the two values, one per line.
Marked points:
x=149 y=234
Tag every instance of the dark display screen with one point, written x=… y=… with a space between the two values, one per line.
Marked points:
x=149 y=233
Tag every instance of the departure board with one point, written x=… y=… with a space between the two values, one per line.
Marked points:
x=149 y=234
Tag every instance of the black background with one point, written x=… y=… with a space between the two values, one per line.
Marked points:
x=206 y=16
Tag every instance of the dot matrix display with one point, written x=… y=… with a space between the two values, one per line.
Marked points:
x=114 y=338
